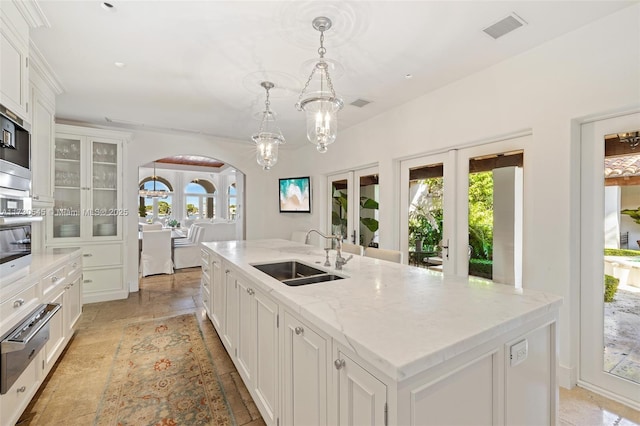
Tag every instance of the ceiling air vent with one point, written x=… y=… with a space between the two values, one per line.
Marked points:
x=360 y=103
x=505 y=26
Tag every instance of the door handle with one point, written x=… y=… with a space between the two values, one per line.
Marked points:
x=446 y=248
x=353 y=237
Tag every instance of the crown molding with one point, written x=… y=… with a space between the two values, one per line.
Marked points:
x=32 y=13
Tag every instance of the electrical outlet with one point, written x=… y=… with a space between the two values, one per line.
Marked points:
x=519 y=352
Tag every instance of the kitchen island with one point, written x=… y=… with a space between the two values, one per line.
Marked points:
x=386 y=344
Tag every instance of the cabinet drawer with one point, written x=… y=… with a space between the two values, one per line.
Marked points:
x=102 y=255
x=204 y=255
x=53 y=280
x=18 y=396
x=101 y=280
x=74 y=267
x=14 y=308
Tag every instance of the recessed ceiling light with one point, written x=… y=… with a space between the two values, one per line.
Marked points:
x=107 y=6
x=120 y=64
x=408 y=76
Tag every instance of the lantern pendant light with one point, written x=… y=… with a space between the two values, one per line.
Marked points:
x=321 y=106
x=269 y=136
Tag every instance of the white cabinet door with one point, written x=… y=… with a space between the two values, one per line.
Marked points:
x=230 y=332
x=361 y=398
x=305 y=364
x=265 y=376
x=246 y=331
x=205 y=281
x=217 y=293
x=14 y=71
x=73 y=304
x=42 y=139
x=57 y=333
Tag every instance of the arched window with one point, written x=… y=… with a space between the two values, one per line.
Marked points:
x=155 y=201
x=200 y=199
x=231 y=202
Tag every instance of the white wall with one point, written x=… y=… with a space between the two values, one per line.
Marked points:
x=591 y=71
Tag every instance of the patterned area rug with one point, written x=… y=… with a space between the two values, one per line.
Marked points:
x=163 y=375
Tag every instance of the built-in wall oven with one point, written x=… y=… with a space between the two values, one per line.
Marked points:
x=15 y=248
x=15 y=157
x=19 y=347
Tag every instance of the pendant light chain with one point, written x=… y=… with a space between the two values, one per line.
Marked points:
x=322 y=65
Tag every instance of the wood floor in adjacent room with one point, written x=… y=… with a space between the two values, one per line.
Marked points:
x=72 y=392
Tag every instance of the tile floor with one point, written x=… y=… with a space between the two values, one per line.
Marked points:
x=73 y=389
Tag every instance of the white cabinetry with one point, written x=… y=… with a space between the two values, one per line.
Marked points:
x=217 y=291
x=88 y=208
x=42 y=112
x=230 y=324
x=305 y=371
x=361 y=398
x=205 y=281
x=54 y=277
x=14 y=59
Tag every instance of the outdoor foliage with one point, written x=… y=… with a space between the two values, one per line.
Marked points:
x=425 y=215
x=191 y=209
x=481 y=214
x=610 y=287
x=164 y=208
x=634 y=214
x=621 y=252
x=481 y=268
x=339 y=213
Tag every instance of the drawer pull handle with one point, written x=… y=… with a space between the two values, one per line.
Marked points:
x=54 y=279
x=226 y=271
x=339 y=363
x=87 y=255
x=299 y=330
x=18 y=303
x=21 y=389
x=88 y=281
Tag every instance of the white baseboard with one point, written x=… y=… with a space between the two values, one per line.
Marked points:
x=613 y=396
x=567 y=376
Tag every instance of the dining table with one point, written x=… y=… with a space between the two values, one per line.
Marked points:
x=175 y=234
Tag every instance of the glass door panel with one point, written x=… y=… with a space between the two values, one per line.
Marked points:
x=495 y=217
x=104 y=169
x=609 y=282
x=341 y=204
x=369 y=198
x=67 y=188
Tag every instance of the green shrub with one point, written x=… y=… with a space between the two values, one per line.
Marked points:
x=610 y=287
x=621 y=252
x=481 y=268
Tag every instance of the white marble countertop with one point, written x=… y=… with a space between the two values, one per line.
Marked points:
x=40 y=262
x=401 y=319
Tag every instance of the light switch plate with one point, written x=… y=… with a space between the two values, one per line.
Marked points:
x=519 y=352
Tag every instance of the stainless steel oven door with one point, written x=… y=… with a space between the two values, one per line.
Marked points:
x=22 y=344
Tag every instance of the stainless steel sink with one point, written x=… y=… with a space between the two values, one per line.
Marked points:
x=282 y=271
x=294 y=273
x=312 y=280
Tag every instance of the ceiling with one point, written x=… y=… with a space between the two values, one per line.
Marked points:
x=196 y=67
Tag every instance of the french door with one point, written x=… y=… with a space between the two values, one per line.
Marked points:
x=353 y=206
x=609 y=349
x=448 y=192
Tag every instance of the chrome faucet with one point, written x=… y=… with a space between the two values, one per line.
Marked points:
x=339 y=259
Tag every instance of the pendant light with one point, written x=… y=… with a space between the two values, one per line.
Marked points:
x=321 y=106
x=269 y=135
x=153 y=193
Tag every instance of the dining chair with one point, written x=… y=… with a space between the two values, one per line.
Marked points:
x=156 y=252
x=151 y=227
x=352 y=248
x=384 y=254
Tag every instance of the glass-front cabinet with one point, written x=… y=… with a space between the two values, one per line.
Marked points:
x=87 y=188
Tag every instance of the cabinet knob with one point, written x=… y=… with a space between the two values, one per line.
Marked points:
x=299 y=330
x=54 y=279
x=18 y=303
x=339 y=363
x=250 y=291
x=74 y=265
x=226 y=271
x=21 y=389
x=36 y=197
